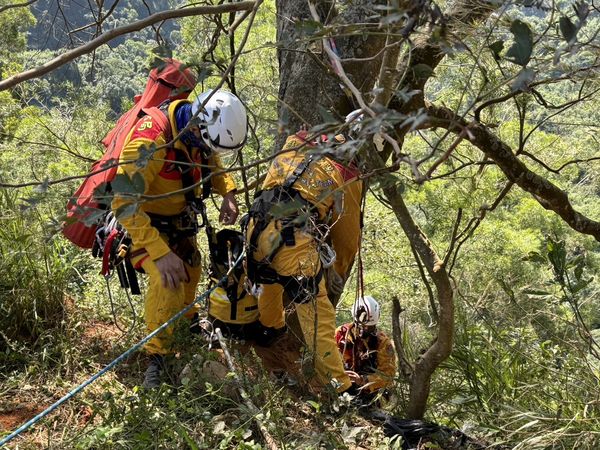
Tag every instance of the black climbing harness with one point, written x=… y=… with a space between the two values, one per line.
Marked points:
x=292 y=211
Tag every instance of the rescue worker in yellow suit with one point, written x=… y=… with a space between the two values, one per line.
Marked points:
x=368 y=353
x=163 y=228
x=306 y=198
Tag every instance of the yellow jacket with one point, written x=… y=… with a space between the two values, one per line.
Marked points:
x=372 y=357
x=161 y=176
x=329 y=185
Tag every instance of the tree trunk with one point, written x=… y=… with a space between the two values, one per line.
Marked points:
x=307 y=80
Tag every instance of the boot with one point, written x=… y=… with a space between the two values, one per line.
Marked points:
x=152 y=377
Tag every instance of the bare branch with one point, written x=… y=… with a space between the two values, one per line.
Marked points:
x=550 y=196
x=16 y=5
x=109 y=35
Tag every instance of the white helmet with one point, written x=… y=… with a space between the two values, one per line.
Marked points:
x=366 y=311
x=224 y=122
x=354 y=118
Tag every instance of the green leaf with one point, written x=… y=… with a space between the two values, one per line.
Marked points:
x=520 y=51
x=160 y=53
x=146 y=153
x=314 y=404
x=568 y=29
x=523 y=80
x=535 y=257
x=284 y=209
x=93 y=216
x=42 y=188
x=496 y=49
x=326 y=115
x=126 y=211
x=580 y=285
x=308 y=27
x=139 y=185
x=122 y=184
x=557 y=254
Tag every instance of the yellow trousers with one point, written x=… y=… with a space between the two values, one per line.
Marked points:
x=162 y=303
x=316 y=314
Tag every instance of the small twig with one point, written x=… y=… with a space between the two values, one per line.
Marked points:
x=446 y=154
x=109 y=35
x=17 y=5
x=269 y=440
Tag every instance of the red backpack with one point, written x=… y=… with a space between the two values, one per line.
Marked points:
x=171 y=81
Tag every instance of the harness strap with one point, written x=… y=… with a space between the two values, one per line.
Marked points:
x=300 y=169
x=107 y=252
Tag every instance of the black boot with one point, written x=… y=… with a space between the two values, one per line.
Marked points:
x=152 y=377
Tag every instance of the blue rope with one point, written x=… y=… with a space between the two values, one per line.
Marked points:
x=115 y=362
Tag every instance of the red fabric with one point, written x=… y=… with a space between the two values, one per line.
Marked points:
x=146 y=129
x=348 y=172
x=106 y=252
x=172 y=81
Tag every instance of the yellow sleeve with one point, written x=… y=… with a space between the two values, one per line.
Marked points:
x=345 y=232
x=138 y=224
x=222 y=182
x=386 y=365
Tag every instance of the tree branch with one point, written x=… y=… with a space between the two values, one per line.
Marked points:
x=108 y=36
x=550 y=196
x=16 y=5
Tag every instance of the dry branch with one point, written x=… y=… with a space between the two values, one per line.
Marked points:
x=109 y=35
x=550 y=196
x=17 y=5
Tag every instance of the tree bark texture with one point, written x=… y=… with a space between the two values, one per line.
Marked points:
x=306 y=77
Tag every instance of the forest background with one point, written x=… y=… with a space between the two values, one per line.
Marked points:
x=480 y=261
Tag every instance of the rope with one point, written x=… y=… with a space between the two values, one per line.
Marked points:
x=115 y=362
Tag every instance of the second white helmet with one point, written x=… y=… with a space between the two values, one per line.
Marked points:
x=224 y=121
x=366 y=311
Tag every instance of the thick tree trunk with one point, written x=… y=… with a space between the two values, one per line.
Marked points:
x=306 y=78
